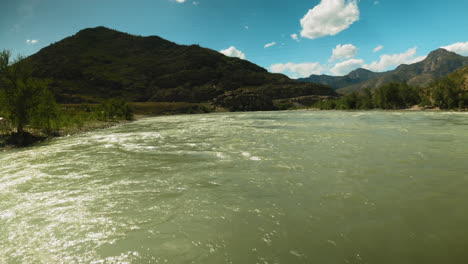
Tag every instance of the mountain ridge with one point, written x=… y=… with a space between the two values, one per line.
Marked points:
x=99 y=63
x=438 y=63
x=337 y=82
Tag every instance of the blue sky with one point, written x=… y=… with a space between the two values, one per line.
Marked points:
x=332 y=36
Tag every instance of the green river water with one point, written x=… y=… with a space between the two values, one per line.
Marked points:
x=264 y=187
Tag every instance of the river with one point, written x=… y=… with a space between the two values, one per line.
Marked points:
x=263 y=187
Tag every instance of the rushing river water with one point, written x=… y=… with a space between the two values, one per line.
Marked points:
x=264 y=187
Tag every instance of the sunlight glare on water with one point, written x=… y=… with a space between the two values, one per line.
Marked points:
x=265 y=187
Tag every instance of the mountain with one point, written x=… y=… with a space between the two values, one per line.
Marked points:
x=337 y=82
x=437 y=64
x=100 y=63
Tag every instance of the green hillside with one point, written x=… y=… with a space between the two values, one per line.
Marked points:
x=100 y=63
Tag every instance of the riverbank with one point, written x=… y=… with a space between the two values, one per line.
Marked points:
x=37 y=137
x=84 y=118
x=34 y=137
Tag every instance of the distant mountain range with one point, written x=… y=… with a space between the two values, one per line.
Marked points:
x=99 y=63
x=337 y=82
x=437 y=64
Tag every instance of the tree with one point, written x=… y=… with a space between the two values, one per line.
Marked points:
x=389 y=96
x=446 y=94
x=46 y=114
x=21 y=95
x=408 y=95
x=365 y=100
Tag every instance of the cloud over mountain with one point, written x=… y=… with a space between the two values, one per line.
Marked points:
x=459 y=47
x=386 y=61
x=233 y=52
x=298 y=69
x=345 y=67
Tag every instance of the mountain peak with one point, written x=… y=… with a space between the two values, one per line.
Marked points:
x=358 y=72
x=96 y=29
x=440 y=52
x=362 y=74
x=102 y=31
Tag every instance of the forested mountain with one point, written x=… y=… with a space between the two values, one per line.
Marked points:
x=100 y=63
x=437 y=64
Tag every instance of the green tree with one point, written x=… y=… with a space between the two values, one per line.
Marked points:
x=115 y=109
x=46 y=114
x=408 y=95
x=446 y=94
x=388 y=97
x=21 y=95
x=366 y=99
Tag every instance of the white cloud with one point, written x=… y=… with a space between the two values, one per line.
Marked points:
x=295 y=37
x=417 y=59
x=233 y=52
x=296 y=70
x=330 y=17
x=269 y=45
x=32 y=41
x=180 y=1
x=342 y=52
x=379 y=47
x=386 y=61
x=346 y=67
x=459 y=47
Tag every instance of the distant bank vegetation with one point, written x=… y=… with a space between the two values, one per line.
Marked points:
x=446 y=93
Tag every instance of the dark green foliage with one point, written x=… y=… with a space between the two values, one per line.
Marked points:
x=115 y=109
x=245 y=100
x=447 y=93
x=47 y=114
x=366 y=101
x=395 y=96
x=165 y=108
x=24 y=100
x=28 y=106
x=283 y=104
x=99 y=63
